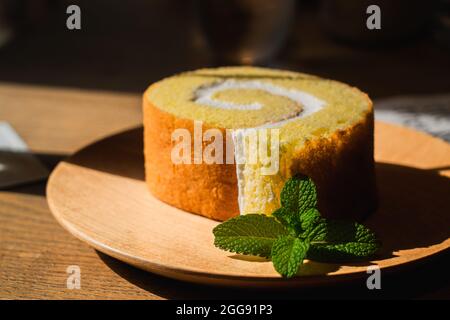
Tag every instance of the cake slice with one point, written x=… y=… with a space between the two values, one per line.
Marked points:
x=302 y=124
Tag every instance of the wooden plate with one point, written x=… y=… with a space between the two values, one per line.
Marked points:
x=99 y=195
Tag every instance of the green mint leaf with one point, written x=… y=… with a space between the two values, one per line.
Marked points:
x=288 y=219
x=288 y=253
x=338 y=241
x=296 y=231
x=252 y=234
x=309 y=218
x=283 y=215
x=299 y=194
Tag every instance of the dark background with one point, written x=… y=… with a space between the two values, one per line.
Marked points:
x=126 y=45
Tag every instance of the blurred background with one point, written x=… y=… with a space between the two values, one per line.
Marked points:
x=124 y=46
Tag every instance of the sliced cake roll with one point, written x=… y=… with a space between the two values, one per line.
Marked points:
x=222 y=142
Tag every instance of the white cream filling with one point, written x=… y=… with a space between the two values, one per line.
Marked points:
x=204 y=95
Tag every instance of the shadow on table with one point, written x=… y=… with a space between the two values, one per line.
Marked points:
x=31 y=186
x=121 y=154
x=424 y=281
x=414 y=207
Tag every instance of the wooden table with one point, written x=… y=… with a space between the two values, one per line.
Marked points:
x=35 y=251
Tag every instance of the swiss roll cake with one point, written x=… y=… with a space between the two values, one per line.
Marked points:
x=222 y=142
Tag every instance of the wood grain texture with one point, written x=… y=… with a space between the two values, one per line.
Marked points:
x=60 y=121
x=35 y=251
x=100 y=197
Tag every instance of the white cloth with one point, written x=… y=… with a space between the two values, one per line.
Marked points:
x=17 y=164
x=430 y=114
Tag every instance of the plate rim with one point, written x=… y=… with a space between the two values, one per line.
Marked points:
x=198 y=276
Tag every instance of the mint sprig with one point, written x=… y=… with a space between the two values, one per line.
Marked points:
x=341 y=241
x=296 y=231
x=288 y=253
x=252 y=234
x=299 y=194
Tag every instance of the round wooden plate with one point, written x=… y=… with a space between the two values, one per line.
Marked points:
x=99 y=195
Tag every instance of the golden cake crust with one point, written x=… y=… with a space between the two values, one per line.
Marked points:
x=342 y=167
x=206 y=189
